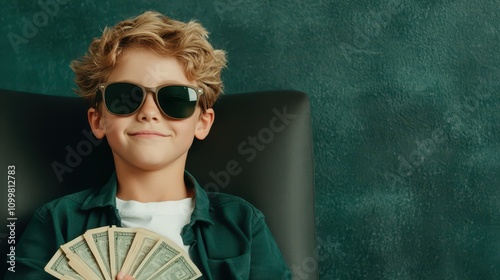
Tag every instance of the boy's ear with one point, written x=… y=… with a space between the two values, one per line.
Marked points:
x=95 y=122
x=204 y=124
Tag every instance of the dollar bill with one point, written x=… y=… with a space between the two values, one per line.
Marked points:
x=84 y=271
x=98 y=242
x=159 y=255
x=80 y=255
x=58 y=266
x=144 y=241
x=179 y=268
x=120 y=240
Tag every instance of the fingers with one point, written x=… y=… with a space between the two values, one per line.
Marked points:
x=122 y=276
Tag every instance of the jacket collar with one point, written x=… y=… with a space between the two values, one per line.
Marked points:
x=106 y=196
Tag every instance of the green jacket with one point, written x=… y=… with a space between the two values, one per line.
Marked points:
x=229 y=238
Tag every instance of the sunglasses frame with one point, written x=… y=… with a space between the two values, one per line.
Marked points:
x=155 y=90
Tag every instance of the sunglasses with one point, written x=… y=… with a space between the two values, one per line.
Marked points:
x=125 y=98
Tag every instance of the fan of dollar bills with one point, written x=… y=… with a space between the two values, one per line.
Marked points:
x=102 y=252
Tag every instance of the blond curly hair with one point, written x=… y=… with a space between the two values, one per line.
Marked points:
x=187 y=42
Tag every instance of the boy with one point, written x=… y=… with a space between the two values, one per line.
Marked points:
x=151 y=82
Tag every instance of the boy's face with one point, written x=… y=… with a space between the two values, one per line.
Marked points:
x=147 y=139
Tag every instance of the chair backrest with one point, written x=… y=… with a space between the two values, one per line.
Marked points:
x=260 y=148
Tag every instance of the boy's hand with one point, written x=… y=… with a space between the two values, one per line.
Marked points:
x=122 y=276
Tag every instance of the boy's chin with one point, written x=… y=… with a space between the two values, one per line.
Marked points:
x=148 y=160
x=152 y=165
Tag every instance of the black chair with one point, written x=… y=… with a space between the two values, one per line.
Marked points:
x=260 y=148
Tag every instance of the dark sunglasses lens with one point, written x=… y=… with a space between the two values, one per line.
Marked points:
x=123 y=98
x=177 y=101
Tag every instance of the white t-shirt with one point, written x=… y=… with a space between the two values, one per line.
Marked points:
x=166 y=218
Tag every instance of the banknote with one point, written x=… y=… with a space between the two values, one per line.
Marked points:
x=59 y=267
x=80 y=255
x=144 y=241
x=98 y=242
x=101 y=253
x=82 y=270
x=120 y=240
x=159 y=255
x=178 y=268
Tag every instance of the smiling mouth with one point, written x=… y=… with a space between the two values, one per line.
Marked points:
x=148 y=133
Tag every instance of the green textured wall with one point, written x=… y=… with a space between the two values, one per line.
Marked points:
x=405 y=113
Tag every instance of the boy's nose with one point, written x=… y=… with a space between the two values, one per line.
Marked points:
x=149 y=111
